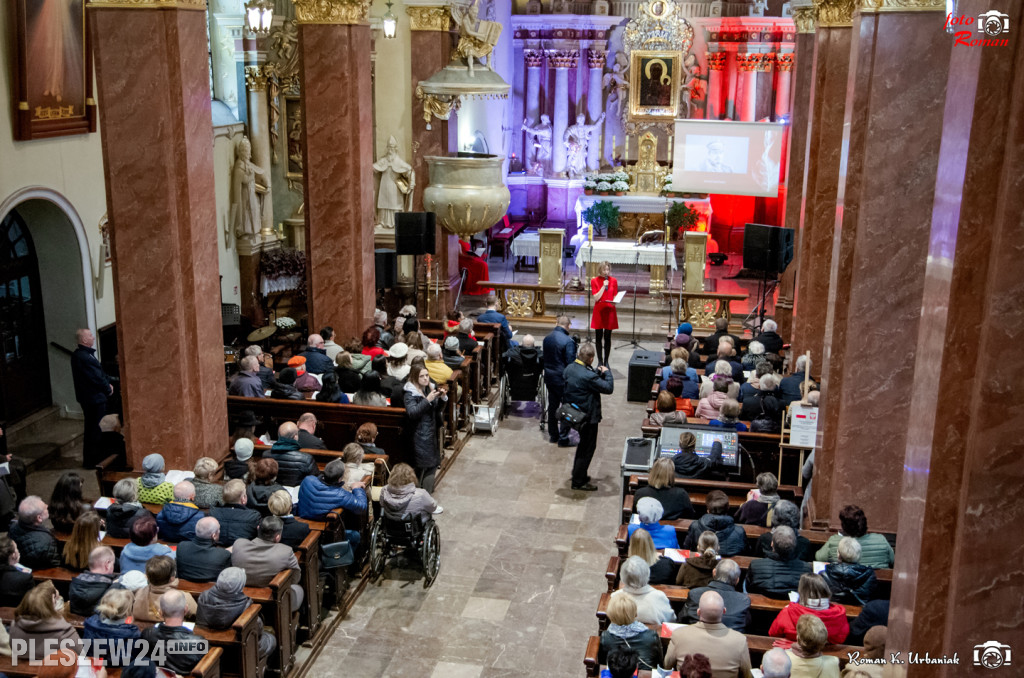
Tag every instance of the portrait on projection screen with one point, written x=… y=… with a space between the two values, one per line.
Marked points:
x=654 y=84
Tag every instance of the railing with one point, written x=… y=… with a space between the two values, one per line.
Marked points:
x=522 y=300
x=458 y=294
x=701 y=309
x=62 y=349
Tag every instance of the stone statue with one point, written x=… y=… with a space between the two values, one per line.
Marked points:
x=541 y=144
x=476 y=38
x=247 y=192
x=397 y=180
x=691 y=85
x=577 y=140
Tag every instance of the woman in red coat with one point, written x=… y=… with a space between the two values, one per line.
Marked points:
x=814 y=599
x=604 y=319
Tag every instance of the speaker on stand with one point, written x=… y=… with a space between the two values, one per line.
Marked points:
x=768 y=249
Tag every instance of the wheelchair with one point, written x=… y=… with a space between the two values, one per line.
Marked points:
x=524 y=384
x=391 y=537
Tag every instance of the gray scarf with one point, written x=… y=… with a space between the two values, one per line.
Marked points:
x=628 y=631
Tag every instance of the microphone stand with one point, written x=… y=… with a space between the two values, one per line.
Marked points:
x=588 y=288
x=636 y=278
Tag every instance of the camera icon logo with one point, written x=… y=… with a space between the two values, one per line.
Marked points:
x=994 y=22
x=992 y=654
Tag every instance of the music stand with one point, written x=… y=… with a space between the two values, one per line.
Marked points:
x=587 y=287
x=636 y=277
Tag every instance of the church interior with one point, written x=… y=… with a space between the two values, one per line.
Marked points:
x=351 y=181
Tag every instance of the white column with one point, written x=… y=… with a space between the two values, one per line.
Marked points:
x=562 y=60
x=259 y=138
x=784 y=68
x=595 y=104
x=746 y=86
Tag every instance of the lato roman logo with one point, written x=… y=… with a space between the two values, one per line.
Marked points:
x=993 y=24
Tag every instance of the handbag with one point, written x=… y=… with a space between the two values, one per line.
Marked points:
x=376 y=489
x=571 y=415
x=338 y=554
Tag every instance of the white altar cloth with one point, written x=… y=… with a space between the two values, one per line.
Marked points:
x=526 y=245
x=625 y=252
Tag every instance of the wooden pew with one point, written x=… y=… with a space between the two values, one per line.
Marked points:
x=208 y=667
x=698 y=488
x=753 y=532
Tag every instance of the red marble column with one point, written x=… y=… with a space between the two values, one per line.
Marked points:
x=334 y=47
x=746 y=86
x=154 y=91
x=716 y=85
x=899 y=67
x=957 y=580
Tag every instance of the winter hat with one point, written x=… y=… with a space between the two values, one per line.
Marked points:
x=398 y=351
x=685 y=328
x=133 y=580
x=231 y=580
x=451 y=344
x=296 y=361
x=153 y=463
x=683 y=340
x=243 y=449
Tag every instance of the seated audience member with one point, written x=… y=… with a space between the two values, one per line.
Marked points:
x=451 y=324
x=875 y=549
x=380 y=321
x=665 y=411
x=293 y=532
x=84 y=536
x=178 y=518
x=173 y=607
x=162 y=575
x=753 y=356
x=661 y=486
x=815 y=598
x=805 y=654
x=14 y=583
x=201 y=559
x=330 y=392
x=663 y=569
x=401 y=497
x=347 y=373
x=695 y=665
x=452 y=353
x=305 y=381
x=731 y=537
x=307 y=432
x=650 y=512
x=125 y=509
x=727 y=649
x=292 y=464
x=38 y=619
x=265 y=373
x=699 y=567
x=265 y=556
x=874 y=648
x=153 y=485
x=492 y=315
x=524 y=365
x=284 y=385
x=397 y=365
x=319 y=495
x=726 y=577
x=112 y=440
x=366 y=436
x=680 y=352
x=66 y=502
x=688 y=464
x=262 y=484
x=751 y=385
x=239 y=466
x=679 y=382
x=874 y=613
x=726 y=353
x=439 y=372
x=371 y=343
x=779 y=572
x=755 y=510
x=247 y=383
x=144 y=545
x=407 y=312
x=763 y=402
x=236 y=520
x=87 y=588
x=722 y=372
x=626 y=632
x=209 y=492
x=710 y=344
x=369 y=392
x=622 y=663
x=222 y=604
x=317 y=360
x=790 y=386
x=769 y=337
x=355 y=470
x=36 y=544
x=652 y=605
x=110 y=623
x=708 y=407
x=729 y=416
x=851 y=582
x=776 y=664
x=785 y=513
x=467 y=342
x=331 y=348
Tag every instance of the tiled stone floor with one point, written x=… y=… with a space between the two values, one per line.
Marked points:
x=522 y=568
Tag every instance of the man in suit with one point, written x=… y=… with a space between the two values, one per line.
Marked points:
x=725 y=648
x=200 y=559
x=265 y=556
x=559 y=352
x=92 y=388
x=307 y=433
x=737 y=604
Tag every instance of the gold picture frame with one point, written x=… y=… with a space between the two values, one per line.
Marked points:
x=653 y=93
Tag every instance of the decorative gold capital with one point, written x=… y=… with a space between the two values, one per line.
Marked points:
x=149 y=4
x=534 y=58
x=596 y=58
x=835 y=13
x=428 y=18
x=784 y=62
x=563 y=58
x=873 y=6
x=331 y=11
x=716 y=61
x=256 y=78
x=805 y=17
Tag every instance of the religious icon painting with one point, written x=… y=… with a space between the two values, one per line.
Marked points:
x=654 y=85
x=52 y=69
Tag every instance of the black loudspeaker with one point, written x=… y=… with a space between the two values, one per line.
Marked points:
x=385 y=269
x=414 y=233
x=767 y=248
x=642 y=366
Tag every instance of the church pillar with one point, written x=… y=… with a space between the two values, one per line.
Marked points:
x=746 y=86
x=783 y=82
x=595 y=104
x=259 y=137
x=562 y=60
x=716 y=71
x=337 y=136
x=817 y=222
x=880 y=253
x=534 y=59
x=153 y=87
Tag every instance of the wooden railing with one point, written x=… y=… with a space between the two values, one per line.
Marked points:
x=522 y=300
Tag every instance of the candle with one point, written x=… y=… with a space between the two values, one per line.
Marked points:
x=625 y=152
x=669 y=150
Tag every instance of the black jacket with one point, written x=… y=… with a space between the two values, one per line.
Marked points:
x=267 y=377
x=772 y=342
x=257 y=496
x=674 y=500
x=647 y=645
x=86 y=590
x=235 y=469
x=236 y=522
x=14 y=584
x=292 y=465
x=775 y=577
x=710 y=344
x=180 y=663
x=219 y=610
x=851 y=583
x=317 y=361
x=731 y=537
x=737 y=370
x=95 y=629
x=804 y=550
x=294 y=531
x=422 y=415
x=663 y=572
x=285 y=392
x=467 y=344
x=348 y=379
x=120 y=518
x=39 y=550
x=559 y=353
x=524 y=366
x=690 y=465
x=737 y=606
x=201 y=560
x=761 y=401
x=584 y=387
x=92 y=386
x=875 y=613
x=789 y=388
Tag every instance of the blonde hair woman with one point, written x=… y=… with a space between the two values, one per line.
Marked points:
x=626 y=632
x=805 y=654
x=113 y=620
x=209 y=493
x=604 y=319
x=663 y=570
x=661 y=485
x=39 y=618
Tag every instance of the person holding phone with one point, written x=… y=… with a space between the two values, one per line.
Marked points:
x=604 y=319
x=423 y=405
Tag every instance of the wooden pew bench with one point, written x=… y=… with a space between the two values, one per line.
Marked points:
x=697 y=489
x=208 y=667
x=753 y=533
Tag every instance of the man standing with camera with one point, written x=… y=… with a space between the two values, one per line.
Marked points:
x=584 y=387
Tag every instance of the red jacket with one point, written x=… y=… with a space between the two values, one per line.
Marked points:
x=834 y=617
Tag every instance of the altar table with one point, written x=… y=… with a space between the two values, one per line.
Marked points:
x=626 y=252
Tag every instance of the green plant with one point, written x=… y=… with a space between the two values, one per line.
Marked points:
x=682 y=218
x=603 y=214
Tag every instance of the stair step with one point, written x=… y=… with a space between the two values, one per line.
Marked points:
x=37 y=456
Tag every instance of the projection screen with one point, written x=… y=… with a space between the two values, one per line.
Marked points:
x=727 y=157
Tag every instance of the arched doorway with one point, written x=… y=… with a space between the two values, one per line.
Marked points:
x=24 y=369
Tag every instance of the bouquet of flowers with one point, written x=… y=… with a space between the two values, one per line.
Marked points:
x=620 y=186
x=285 y=323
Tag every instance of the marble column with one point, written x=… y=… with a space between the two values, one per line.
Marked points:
x=534 y=60
x=562 y=61
x=259 y=137
x=783 y=84
x=764 y=86
x=716 y=72
x=731 y=78
x=817 y=223
x=596 y=59
x=153 y=87
x=746 y=86
x=880 y=250
x=337 y=142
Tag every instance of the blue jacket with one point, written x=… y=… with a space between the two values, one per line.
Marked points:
x=317 y=361
x=492 y=316
x=790 y=388
x=134 y=557
x=91 y=383
x=559 y=352
x=663 y=536
x=177 y=521
x=317 y=498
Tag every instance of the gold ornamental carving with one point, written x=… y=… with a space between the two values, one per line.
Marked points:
x=873 y=6
x=428 y=18
x=563 y=58
x=256 y=78
x=150 y=4
x=596 y=58
x=784 y=62
x=331 y=11
x=747 y=62
x=437 y=105
x=534 y=58
x=716 y=61
x=835 y=13
x=805 y=18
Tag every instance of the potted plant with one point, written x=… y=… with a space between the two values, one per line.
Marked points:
x=682 y=218
x=588 y=186
x=619 y=175
x=620 y=187
x=666 y=187
x=603 y=188
x=603 y=214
